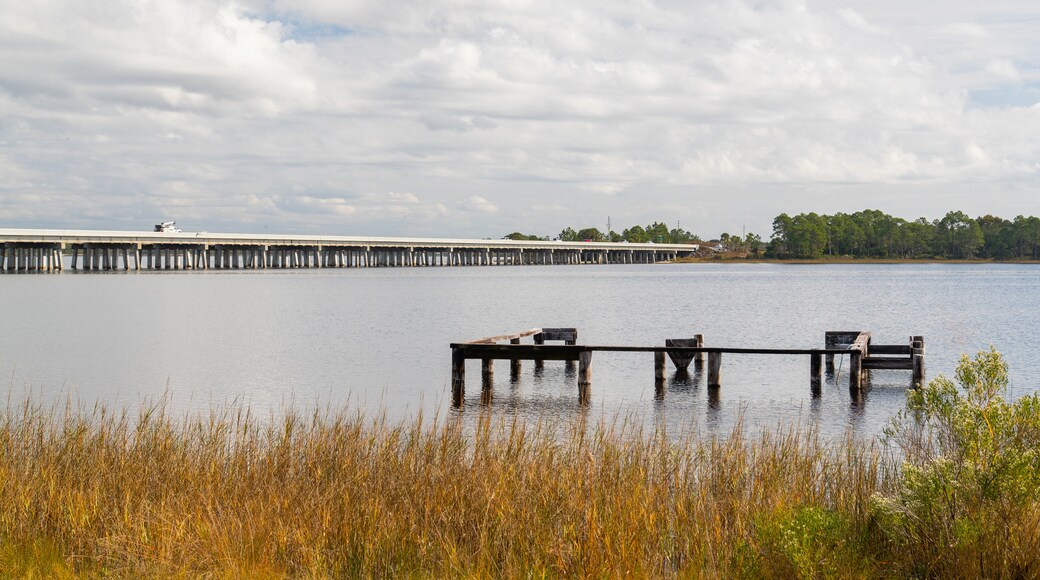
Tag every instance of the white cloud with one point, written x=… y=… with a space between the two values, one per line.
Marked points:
x=1003 y=69
x=475 y=203
x=290 y=113
x=403 y=197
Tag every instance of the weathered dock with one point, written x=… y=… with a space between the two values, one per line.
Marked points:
x=863 y=356
x=93 y=251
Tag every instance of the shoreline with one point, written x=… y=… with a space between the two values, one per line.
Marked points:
x=840 y=261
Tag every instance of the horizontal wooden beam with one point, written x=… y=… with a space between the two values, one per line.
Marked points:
x=534 y=351
x=519 y=351
x=877 y=363
x=505 y=337
x=890 y=349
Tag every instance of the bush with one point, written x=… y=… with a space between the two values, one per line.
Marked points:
x=811 y=542
x=968 y=498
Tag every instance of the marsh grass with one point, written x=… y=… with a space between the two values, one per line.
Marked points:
x=91 y=492
x=96 y=492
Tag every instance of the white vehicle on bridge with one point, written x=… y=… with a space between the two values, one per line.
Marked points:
x=169 y=227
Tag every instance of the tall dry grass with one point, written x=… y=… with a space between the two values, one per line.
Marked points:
x=96 y=492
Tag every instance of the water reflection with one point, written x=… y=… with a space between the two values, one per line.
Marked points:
x=267 y=336
x=714 y=410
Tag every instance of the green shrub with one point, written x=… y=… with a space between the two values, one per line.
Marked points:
x=968 y=498
x=811 y=542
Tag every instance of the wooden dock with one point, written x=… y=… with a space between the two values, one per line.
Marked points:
x=863 y=356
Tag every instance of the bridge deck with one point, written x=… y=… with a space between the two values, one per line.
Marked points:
x=43 y=250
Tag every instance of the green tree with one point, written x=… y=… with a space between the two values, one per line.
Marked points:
x=568 y=235
x=958 y=236
x=779 y=244
x=681 y=236
x=808 y=236
x=636 y=235
x=658 y=233
x=520 y=236
x=1026 y=237
x=920 y=234
x=845 y=235
x=753 y=243
x=590 y=234
x=998 y=237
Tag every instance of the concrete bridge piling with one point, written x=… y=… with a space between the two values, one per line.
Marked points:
x=93 y=251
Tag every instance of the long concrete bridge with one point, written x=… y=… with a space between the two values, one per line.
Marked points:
x=87 y=250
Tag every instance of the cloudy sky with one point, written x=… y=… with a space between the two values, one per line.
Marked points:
x=474 y=118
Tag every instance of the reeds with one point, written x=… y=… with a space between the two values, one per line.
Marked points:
x=92 y=492
x=332 y=494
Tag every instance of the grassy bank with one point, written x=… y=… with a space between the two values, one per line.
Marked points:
x=327 y=494
x=841 y=260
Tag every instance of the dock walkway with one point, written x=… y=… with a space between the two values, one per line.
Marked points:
x=863 y=356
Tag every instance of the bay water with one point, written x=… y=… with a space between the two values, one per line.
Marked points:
x=377 y=340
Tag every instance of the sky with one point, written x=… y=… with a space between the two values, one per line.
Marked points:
x=463 y=118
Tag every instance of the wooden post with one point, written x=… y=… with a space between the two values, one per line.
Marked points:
x=514 y=365
x=815 y=372
x=917 y=352
x=458 y=377
x=584 y=369
x=584 y=376
x=659 y=374
x=539 y=363
x=829 y=358
x=855 y=368
x=698 y=358
x=487 y=368
x=917 y=381
x=714 y=369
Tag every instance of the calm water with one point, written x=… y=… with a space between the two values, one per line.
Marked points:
x=378 y=339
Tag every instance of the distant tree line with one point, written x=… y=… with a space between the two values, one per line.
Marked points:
x=874 y=234
x=656 y=232
x=865 y=234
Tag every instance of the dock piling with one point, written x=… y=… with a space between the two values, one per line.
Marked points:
x=458 y=377
x=514 y=365
x=917 y=352
x=659 y=371
x=855 y=369
x=714 y=369
x=584 y=374
x=815 y=372
x=487 y=370
x=816 y=367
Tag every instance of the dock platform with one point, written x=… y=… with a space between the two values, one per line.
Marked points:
x=863 y=356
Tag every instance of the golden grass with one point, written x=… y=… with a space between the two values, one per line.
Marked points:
x=339 y=494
